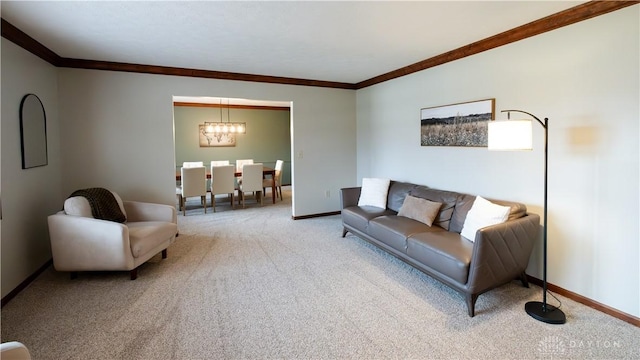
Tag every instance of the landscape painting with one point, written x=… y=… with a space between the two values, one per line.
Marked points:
x=463 y=124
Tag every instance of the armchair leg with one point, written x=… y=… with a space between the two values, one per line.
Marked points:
x=344 y=232
x=164 y=253
x=524 y=279
x=133 y=274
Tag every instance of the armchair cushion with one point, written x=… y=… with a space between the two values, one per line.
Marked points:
x=146 y=235
x=107 y=205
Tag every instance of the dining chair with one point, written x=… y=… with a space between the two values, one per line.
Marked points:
x=219 y=162
x=194 y=183
x=239 y=164
x=190 y=164
x=223 y=182
x=268 y=183
x=252 y=182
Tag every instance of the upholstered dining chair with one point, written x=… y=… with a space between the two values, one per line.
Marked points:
x=190 y=164
x=268 y=183
x=223 y=182
x=219 y=162
x=194 y=183
x=252 y=182
x=239 y=165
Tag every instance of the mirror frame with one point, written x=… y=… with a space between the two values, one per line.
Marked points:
x=33 y=132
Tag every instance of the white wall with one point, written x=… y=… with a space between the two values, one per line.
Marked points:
x=585 y=78
x=28 y=195
x=117 y=131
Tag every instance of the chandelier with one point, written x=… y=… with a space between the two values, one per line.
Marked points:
x=225 y=127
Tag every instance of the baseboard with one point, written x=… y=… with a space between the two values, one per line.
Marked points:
x=25 y=283
x=315 y=215
x=588 y=302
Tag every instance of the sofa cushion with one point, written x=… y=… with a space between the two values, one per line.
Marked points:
x=446 y=252
x=394 y=230
x=447 y=198
x=419 y=209
x=483 y=213
x=358 y=216
x=374 y=192
x=144 y=236
x=397 y=192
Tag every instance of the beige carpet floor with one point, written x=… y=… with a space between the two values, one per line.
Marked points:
x=254 y=284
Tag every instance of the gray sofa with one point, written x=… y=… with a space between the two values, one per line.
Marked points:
x=499 y=253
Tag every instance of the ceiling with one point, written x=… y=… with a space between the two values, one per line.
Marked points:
x=342 y=41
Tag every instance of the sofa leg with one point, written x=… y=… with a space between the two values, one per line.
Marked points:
x=471 y=303
x=344 y=232
x=164 y=253
x=73 y=275
x=134 y=274
x=524 y=279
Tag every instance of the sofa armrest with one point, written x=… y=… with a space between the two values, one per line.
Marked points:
x=143 y=211
x=349 y=196
x=501 y=252
x=82 y=243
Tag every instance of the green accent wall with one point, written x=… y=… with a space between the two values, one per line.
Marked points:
x=268 y=137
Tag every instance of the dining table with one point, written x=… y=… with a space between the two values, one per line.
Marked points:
x=265 y=171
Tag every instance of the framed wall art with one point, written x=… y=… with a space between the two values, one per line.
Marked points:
x=462 y=124
x=33 y=132
x=215 y=139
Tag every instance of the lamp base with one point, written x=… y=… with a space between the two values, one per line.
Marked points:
x=549 y=314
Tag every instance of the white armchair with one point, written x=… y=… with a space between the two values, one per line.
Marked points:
x=14 y=350
x=80 y=242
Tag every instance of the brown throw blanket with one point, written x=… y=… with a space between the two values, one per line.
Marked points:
x=104 y=205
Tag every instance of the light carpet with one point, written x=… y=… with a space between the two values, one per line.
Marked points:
x=254 y=284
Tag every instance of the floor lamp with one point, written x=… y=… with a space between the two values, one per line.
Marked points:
x=517 y=135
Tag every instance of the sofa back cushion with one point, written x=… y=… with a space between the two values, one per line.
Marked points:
x=448 y=199
x=397 y=192
x=465 y=202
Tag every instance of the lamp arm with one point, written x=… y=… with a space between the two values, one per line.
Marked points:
x=544 y=124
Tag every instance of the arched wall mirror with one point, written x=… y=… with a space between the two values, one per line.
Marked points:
x=33 y=132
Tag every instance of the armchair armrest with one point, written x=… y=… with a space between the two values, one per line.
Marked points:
x=143 y=211
x=81 y=243
x=349 y=196
x=501 y=252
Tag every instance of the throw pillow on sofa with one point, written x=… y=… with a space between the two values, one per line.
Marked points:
x=374 y=192
x=419 y=209
x=483 y=213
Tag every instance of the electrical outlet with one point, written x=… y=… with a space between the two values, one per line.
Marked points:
x=300 y=154
x=327 y=193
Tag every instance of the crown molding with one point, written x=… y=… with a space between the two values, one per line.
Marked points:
x=226 y=106
x=567 y=17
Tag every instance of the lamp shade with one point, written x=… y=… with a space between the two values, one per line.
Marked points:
x=510 y=135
